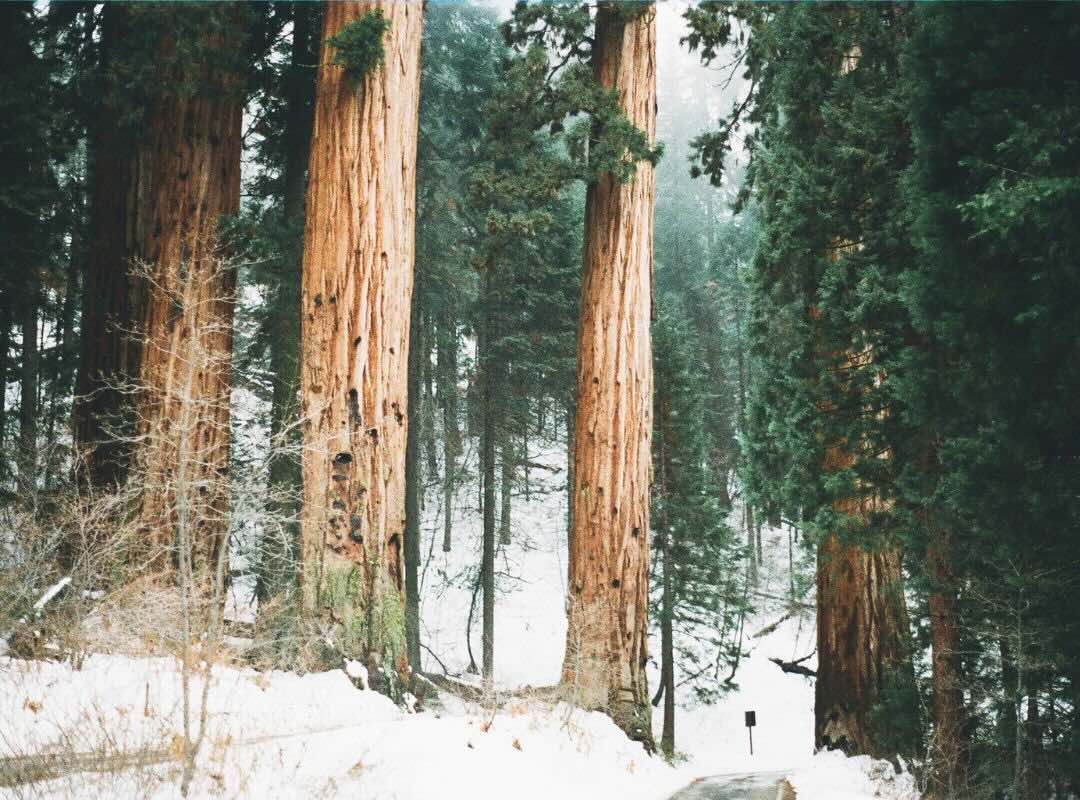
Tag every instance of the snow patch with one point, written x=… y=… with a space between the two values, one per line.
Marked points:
x=834 y=776
x=358 y=672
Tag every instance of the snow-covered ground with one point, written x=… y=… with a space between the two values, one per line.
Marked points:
x=530 y=630
x=278 y=735
x=274 y=734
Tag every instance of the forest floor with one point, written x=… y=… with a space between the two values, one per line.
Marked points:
x=112 y=729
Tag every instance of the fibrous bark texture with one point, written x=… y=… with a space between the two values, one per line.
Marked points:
x=609 y=549
x=861 y=631
x=183 y=293
x=861 y=621
x=356 y=291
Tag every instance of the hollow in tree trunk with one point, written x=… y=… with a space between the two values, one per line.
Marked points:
x=604 y=665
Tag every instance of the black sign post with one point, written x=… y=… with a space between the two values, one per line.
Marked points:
x=751 y=721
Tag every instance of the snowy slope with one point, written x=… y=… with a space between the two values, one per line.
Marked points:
x=277 y=735
x=530 y=619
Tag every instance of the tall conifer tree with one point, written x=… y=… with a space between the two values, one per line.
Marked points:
x=357 y=283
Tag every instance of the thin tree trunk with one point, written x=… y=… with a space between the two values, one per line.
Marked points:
x=359 y=248
x=667 y=651
x=5 y=347
x=64 y=339
x=948 y=778
x=525 y=469
x=28 y=395
x=485 y=360
x=425 y=398
x=609 y=554
x=1008 y=721
x=791 y=564
x=1033 y=743
x=447 y=344
x=413 y=490
x=751 y=544
x=748 y=510
x=185 y=299
x=279 y=547
x=506 y=483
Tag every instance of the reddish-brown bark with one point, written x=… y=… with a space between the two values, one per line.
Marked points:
x=357 y=285
x=183 y=296
x=609 y=545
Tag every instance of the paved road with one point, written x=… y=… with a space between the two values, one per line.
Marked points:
x=744 y=786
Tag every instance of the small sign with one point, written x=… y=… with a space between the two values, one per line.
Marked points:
x=751 y=721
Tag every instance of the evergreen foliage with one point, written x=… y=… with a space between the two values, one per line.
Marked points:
x=359 y=44
x=995 y=105
x=689 y=524
x=912 y=300
x=897 y=281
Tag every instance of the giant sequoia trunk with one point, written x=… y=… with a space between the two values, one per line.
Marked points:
x=183 y=292
x=356 y=290
x=609 y=548
x=861 y=632
x=861 y=620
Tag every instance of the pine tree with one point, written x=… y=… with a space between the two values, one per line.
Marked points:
x=26 y=202
x=823 y=439
x=270 y=232
x=699 y=592
x=993 y=294
x=461 y=51
x=702 y=254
